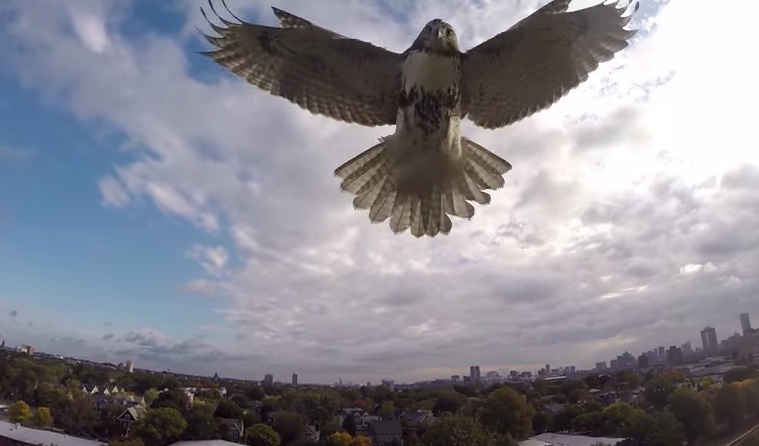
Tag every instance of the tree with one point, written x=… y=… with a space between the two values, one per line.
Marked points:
x=693 y=412
x=228 y=409
x=80 y=415
x=174 y=398
x=290 y=426
x=457 y=430
x=19 y=412
x=150 y=396
x=339 y=439
x=750 y=390
x=730 y=405
x=349 y=424
x=657 y=392
x=263 y=435
x=43 y=418
x=506 y=411
x=617 y=417
x=360 y=440
x=200 y=423
x=654 y=429
x=448 y=403
x=159 y=427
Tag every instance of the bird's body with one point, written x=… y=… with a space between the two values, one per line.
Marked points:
x=426 y=170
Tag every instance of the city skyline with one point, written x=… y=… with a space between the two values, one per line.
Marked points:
x=475 y=369
x=154 y=206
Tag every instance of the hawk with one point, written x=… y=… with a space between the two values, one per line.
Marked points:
x=426 y=170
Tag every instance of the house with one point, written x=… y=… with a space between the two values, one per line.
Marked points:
x=235 y=429
x=386 y=433
x=414 y=417
x=130 y=415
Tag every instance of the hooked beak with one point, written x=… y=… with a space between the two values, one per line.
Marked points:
x=440 y=33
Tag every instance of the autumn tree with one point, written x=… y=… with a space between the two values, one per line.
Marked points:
x=730 y=404
x=457 y=430
x=693 y=412
x=159 y=427
x=43 y=418
x=339 y=439
x=361 y=440
x=19 y=412
x=506 y=411
x=263 y=435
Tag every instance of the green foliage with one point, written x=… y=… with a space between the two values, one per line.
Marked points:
x=457 y=430
x=263 y=435
x=159 y=427
x=290 y=426
x=730 y=404
x=654 y=429
x=506 y=411
x=693 y=412
x=19 y=412
x=658 y=390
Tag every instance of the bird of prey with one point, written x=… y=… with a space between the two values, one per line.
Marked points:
x=426 y=170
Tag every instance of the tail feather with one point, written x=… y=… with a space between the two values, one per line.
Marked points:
x=422 y=206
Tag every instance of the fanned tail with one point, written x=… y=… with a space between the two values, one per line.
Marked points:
x=419 y=194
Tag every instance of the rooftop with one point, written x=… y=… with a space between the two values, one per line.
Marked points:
x=42 y=437
x=550 y=439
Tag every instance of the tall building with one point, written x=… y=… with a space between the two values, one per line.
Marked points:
x=474 y=373
x=268 y=379
x=745 y=323
x=295 y=379
x=548 y=368
x=130 y=365
x=601 y=365
x=660 y=352
x=709 y=341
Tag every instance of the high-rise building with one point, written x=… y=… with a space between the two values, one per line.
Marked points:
x=660 y=352
x=548 y=368
x=601 y=365
x=130 y=365
x=474 y=373
x=745 y=323
x=709 y=341
x=295 y=379
x=268 y=379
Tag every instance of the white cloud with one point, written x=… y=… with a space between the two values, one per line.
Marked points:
x=635 y=177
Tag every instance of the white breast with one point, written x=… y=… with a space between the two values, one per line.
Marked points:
x=430 y=71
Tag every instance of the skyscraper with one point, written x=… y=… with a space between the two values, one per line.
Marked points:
x=295 y=379
x=745 y=323
x=709 y=341
x=474 y=373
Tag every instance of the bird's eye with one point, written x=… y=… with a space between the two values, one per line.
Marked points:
x=449 y=32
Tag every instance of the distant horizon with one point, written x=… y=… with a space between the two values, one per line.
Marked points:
x=502 y=372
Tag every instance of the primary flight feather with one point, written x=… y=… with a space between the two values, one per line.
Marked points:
x=426 y=170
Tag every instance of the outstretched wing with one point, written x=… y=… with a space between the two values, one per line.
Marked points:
x=539 y=60
x=321 y=71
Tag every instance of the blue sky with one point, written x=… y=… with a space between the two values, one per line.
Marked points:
x=154 y=206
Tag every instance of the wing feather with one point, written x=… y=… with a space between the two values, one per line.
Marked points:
x=319 y=70
x=539 y=60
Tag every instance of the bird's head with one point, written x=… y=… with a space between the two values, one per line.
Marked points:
x=439 y=37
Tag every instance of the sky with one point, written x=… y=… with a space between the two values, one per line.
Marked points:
x=155 y=207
